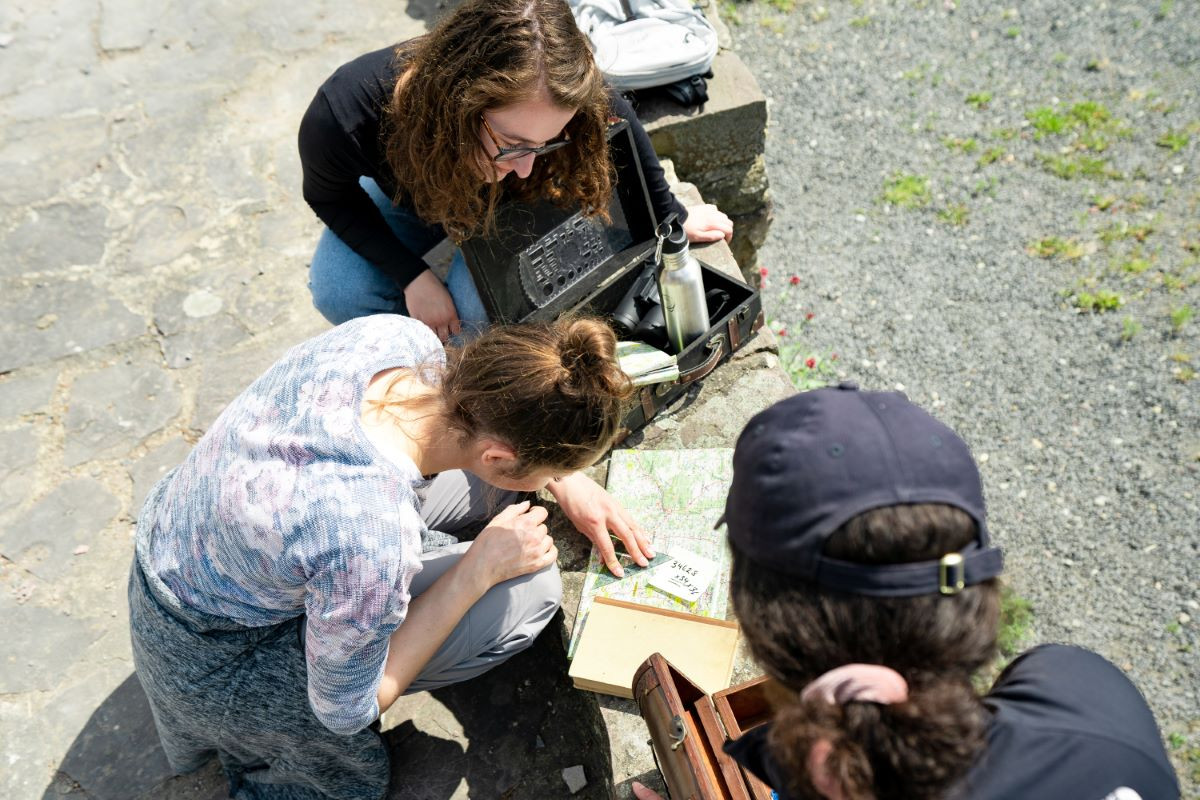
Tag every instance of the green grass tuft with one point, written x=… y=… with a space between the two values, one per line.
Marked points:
x=961 y=145
x=1016 y=619
x=1069 y=167
x=1180 y=317
x=1046 y=122
x=1056 y=247
x=1098 y=302
x=1135 y=265
x=991 y=155
x=979 y=99
x=907 y=191
x=955 y=215
x=1173 y=140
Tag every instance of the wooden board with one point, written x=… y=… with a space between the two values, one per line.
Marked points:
x=619 y=636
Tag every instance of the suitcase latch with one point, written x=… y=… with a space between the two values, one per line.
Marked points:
x=678 y=732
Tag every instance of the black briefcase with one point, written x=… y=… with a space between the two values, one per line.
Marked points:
x=545 y=261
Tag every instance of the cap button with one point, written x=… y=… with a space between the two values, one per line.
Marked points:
x=850 y=386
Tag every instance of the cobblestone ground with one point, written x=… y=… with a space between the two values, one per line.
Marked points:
x=153 y=263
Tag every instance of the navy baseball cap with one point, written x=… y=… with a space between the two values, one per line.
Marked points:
x=808 y=464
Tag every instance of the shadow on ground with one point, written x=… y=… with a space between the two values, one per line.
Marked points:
x=507 y=734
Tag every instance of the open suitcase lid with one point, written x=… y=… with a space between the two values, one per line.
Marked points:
x=543 y=259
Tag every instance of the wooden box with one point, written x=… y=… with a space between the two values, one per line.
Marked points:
x=688 y=731
x=741 y=708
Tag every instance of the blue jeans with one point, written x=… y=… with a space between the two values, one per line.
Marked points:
x=345 y=285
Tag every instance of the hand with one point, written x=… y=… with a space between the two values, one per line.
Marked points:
x=642 y=793
x=594 y=513
x=707 y=223
x=428 y=301
x=514 y=543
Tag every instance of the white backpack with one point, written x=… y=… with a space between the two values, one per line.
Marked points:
x=644 y=43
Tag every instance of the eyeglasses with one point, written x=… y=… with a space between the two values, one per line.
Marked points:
x=513 y=153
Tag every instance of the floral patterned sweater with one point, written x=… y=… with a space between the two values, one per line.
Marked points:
x=285 y=508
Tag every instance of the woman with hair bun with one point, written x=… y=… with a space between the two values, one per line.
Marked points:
x=298 y=572
x=406 y=145
x=866 y=585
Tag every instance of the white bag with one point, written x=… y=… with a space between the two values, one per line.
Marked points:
x=656 y=43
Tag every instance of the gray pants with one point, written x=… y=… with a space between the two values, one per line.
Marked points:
x=239 y=694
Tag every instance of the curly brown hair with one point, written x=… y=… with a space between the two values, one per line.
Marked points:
x=485 y=55
x=913 y=750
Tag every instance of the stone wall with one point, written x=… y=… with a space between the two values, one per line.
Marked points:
x=719 y=147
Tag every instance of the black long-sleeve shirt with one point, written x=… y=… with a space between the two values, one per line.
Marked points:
x=340 y=141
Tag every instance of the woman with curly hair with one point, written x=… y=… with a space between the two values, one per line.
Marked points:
x=866 y=584
x=405 y=145
x=299 y=571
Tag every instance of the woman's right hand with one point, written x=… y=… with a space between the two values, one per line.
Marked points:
x=644 y=792
x=516 y=542
x=427 y=300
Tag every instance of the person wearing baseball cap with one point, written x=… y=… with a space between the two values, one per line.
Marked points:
x=865 y=581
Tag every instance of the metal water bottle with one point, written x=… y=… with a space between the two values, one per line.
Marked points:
x=681 y=287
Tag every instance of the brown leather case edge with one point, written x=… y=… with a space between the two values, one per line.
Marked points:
x=674 y=736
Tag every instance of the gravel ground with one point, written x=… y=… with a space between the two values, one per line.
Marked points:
x=967 y=289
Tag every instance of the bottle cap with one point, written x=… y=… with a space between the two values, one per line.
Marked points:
x=676 y=241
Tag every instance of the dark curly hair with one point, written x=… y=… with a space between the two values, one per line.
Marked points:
x=913 y=750
x=485 y=55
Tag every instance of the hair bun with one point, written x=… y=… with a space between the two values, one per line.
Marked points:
x=588 y=356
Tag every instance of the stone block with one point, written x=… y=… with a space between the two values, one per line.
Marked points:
x=51 y=320
x=729 y=129
x=713 y=14
x=749 y=234
x=740 y=188
x=161 y=234
x=26 y=393
x=39 y=157
x=115 y=409
x=575 y=778
x=740 y=257
x=39 y=645
x=59 y=235
x=43 y=539
x=194 y=323
x=278 y=297
x=148 y=469
x=18 y=454
x=28 y=760
x=125 y=25
x=719 y=148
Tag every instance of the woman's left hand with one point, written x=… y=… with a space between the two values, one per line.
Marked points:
x=707 y=223
x=594 y=513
